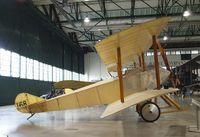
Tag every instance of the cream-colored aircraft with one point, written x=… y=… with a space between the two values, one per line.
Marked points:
x=138 y=85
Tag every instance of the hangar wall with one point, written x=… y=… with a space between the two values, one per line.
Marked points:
x=24 y=30
x=95 y=69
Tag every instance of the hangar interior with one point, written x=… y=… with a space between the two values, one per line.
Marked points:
x=47 y=41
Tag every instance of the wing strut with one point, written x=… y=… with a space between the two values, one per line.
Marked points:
x=119 y=71
x=163 y=54
x=156 y=64
x=140 y=62
x=156 y=61
x=143 y=62
x=167 y=99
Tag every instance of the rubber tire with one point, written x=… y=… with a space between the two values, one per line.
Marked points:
x=144 y=117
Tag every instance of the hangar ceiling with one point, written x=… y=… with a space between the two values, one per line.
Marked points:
x=106 y=17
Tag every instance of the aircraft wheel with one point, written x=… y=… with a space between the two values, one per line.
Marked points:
x=150 y=112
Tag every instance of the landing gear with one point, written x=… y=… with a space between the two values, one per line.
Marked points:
x=149 y=111
x=32 y=114
x=138 y=108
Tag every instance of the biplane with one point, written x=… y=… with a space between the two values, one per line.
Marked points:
x=139 y=85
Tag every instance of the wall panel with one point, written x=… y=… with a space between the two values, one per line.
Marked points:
x=24 y=30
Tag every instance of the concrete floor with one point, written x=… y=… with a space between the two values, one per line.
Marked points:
x=86 y=123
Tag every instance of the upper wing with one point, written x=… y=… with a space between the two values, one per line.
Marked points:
x=134 y=99
x=132 y=42
x=71 y=84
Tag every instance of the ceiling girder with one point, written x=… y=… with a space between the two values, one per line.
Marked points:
x=120 y=7
x=64 y=13
x=101 y=17
x=132 y=10
x=45 y=10
x=92 y=10
x=56 y=16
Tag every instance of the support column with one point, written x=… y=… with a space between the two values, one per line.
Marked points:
x=119 y=70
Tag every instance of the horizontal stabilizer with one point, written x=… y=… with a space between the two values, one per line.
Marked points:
x=24 y=100
x=134 y=99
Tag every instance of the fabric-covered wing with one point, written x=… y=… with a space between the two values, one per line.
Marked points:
x=132 y=42
x=103 y=92
x=134 y=99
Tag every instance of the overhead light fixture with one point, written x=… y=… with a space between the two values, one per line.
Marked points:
x=165 y=38
x=86 y=20
x=186 y=13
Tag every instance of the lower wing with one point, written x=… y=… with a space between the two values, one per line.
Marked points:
x=134 y=99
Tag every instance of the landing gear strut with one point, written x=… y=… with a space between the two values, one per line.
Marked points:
x=32 y=114
x=149 y=111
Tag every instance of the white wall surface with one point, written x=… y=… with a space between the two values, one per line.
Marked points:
x=95 y=69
